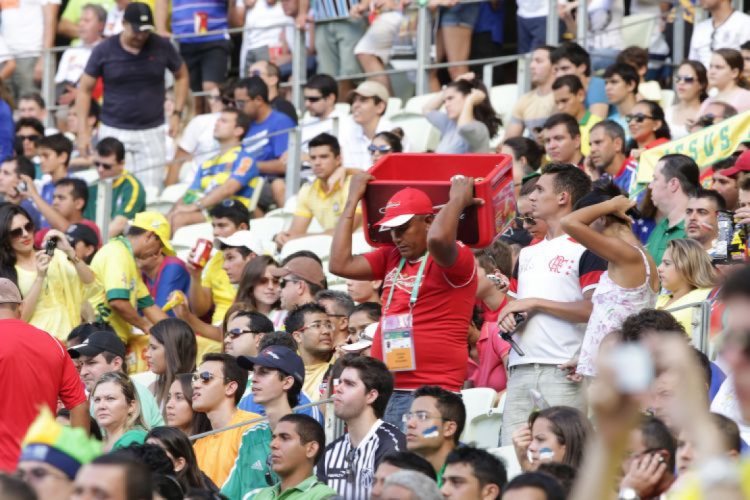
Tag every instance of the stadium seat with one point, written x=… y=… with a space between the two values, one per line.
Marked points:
x=503 y=98
x=507 y=454
x=265 y=229
x=173 y=193
x=186 y=236
x=416 y=103
x=320 y=244
x=90 y=175
x=393 y=107
x=667 y=98
x=343 y=108
x=483 y=419
x=152 y=193
x=359 y=243
x=257 y=185
x=637 y=29
x=418 y=132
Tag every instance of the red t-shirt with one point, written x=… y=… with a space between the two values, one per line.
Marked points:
x=441 y=319
x=35 y=370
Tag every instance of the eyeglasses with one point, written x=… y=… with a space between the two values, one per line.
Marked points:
x=240 y=103
x=36 y=474
x=638 y=117
x=707 y=120
x=526 y=219
x=380 y=149
x=313 y=98
x=422 y=416
x=266 y=281
x=234 y=333
x=686 y=79
x=283 y=282
x=318 y=325
x=105 y=166
x=205 y=377
x=28 y=228
x=32 y=138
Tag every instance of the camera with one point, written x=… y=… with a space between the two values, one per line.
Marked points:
x=49 y=247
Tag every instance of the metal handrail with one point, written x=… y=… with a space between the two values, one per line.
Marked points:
x=700 y=322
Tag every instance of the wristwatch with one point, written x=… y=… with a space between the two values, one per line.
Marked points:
x=628 y=494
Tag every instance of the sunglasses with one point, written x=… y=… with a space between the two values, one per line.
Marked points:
x=283 y=282
x=19 y=231
x=266 y=281
x=638 y=117
x=240 y=103
x=105 y=166
x=350 y=458
x=313 y=98
x=380 y=149
x=525 y=219
x=205 y=377
x=32 y=138
x=707 y=120
x=686 y=79
x=234 y=333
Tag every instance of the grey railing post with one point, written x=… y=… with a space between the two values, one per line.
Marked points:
x=424 y=41
x=299 y=67
x=104 y=207
x=678 y=42
x=293 y=162
x=523 y=75
x=48 y=83
x=582 y=23
x=553 y=24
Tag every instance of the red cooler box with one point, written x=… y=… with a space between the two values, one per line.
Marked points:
x=431 y=173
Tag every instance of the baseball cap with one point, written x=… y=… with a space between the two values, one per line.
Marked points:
x=741 y=165
x=156 y=223
x=279 y=358
x=370 y=88
x=241 y=239
x=9 y=293
x=97 y=343
x=365 y=339
x=404 y=205
x=81 y=232
x=305 y=268
x=139 y=16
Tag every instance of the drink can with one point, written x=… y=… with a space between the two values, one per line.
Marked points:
x=201 y=253
x=201 y=22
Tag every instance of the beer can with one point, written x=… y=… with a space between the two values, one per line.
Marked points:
x=201 y=253
x=175 y=299
x=201 y=22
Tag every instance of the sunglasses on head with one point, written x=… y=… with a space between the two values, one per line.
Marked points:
x=380 y=149
x=205 y=377
x=686 y=79
x=19 y=231
x=638 y=117
x=105 y=166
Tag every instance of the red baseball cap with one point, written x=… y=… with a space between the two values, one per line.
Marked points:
x=741 y=165
x=404 y=205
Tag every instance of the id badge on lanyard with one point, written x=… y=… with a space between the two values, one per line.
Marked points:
x=397 y=330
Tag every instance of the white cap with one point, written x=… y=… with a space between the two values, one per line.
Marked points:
x=243 y=239
x=365 y=339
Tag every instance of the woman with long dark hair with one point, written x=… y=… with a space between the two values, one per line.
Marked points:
x=180 y=451
x=55 y=287
x=469 y=121
x=691 y=84
x=178 y=408
x=171 y=350
x=648 y=126
x=259 y=290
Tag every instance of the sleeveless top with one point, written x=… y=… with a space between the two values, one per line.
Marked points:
x=612 y=304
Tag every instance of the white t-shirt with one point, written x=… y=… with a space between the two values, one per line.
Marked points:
x=198 y=138
x=72 y=64
x=561 y=270
x=605 y=24
x=732 y=33
x=113 y=25
x=312 y=127
x=354 y=142
x=257 y=32
x=23 y=25
x=726 y=403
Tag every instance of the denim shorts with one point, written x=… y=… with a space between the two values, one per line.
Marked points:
x=461 y=15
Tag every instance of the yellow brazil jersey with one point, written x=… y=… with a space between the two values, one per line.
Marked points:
x=222 y=290
x=114 y=266
x=586 y=124
x=232 y=164
x=326 y=208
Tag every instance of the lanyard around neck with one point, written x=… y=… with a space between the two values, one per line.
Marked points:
x=417 y=282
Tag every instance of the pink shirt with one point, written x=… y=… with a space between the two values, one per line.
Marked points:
x=490 y=372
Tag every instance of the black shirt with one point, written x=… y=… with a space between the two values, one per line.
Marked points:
x=286 y=107
x=133 y=83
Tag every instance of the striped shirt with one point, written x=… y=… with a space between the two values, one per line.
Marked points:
x=350 y=471
x=324 y=10
x=197 y=17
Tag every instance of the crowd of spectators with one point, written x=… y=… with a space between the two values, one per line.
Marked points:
x=607 y=324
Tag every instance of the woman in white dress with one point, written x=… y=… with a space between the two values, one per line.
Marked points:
x=691 y=85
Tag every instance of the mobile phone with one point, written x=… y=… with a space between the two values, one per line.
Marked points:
x=22 y=187
x=49 y=247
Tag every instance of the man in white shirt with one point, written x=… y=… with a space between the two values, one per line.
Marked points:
x=321 y=94
x=368 y=106
x=552 y=286
x=726 y=28
x=74 y=59
x=28 y=26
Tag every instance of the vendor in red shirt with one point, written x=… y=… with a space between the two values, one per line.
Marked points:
x=429 y=287
x=35 y=370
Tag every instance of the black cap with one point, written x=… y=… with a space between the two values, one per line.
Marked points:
x=279 y=358
x=139 y=16
x=516 y=236
x=97 y=343
x=82 y=232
